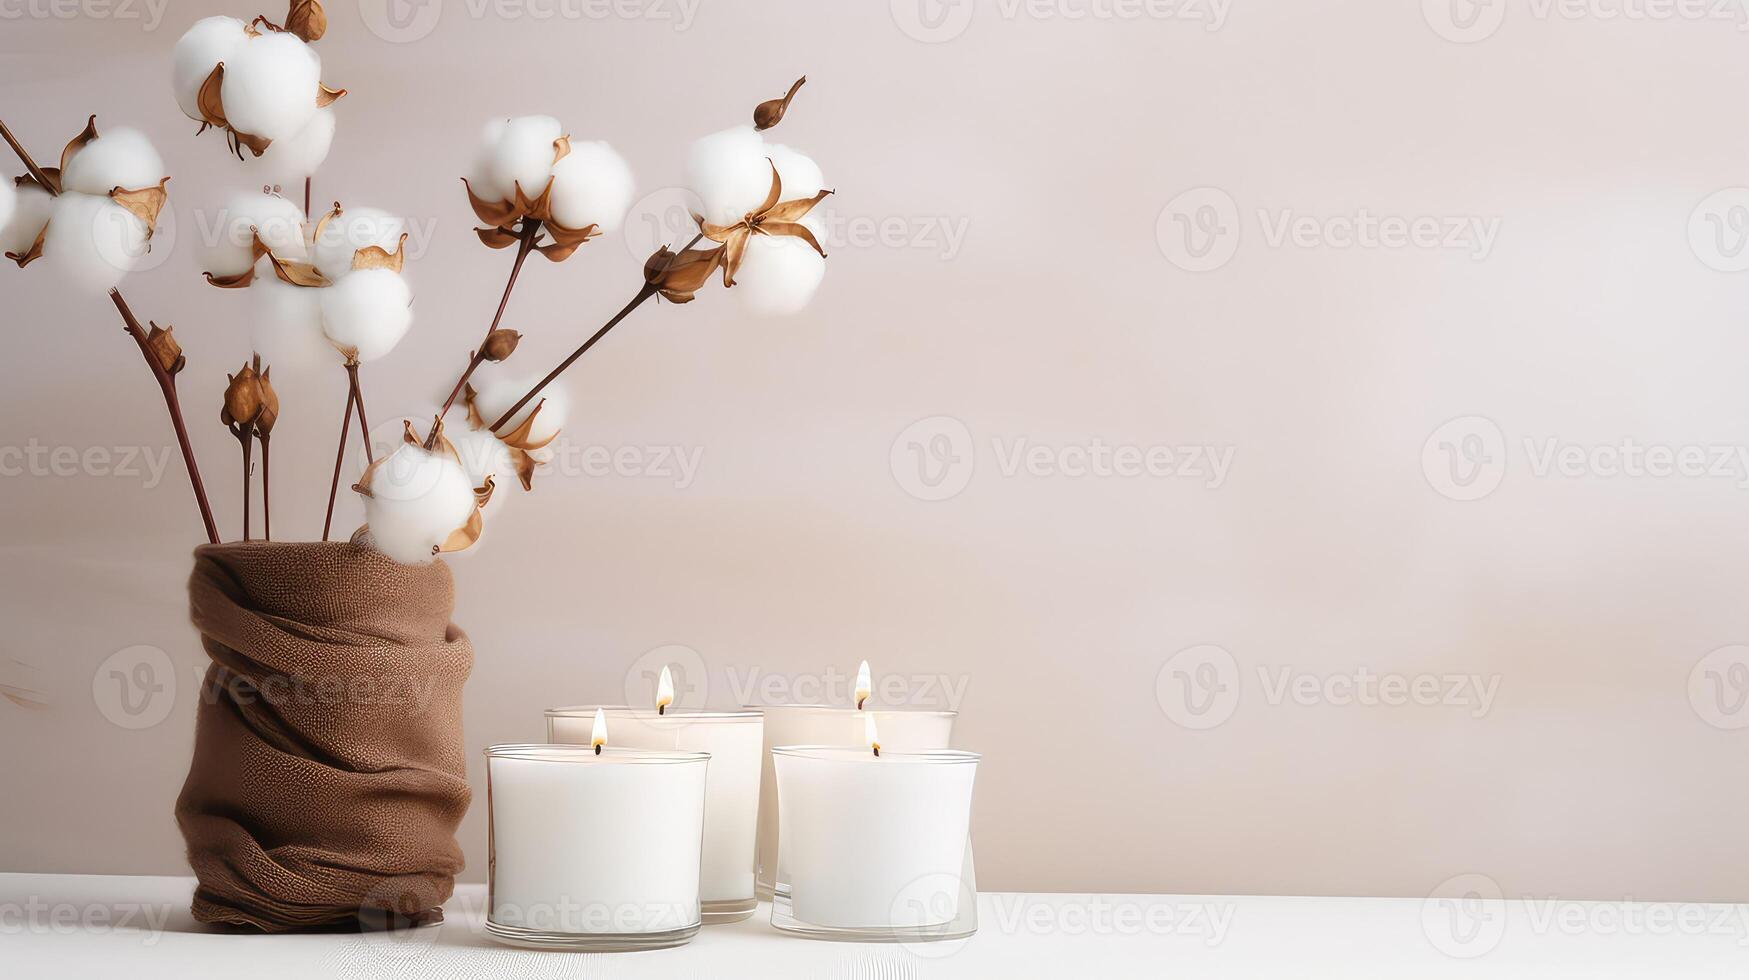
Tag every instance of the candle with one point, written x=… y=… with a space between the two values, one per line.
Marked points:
x=875 y=842
x=818 y=724
x=733 y=740
x=594 y=846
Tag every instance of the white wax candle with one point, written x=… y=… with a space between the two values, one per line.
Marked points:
x=871 y=842
x=901 y=730
x=587 y=844
x=733 y=739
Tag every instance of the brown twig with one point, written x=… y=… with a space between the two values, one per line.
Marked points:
x=530 y=230
x=245 y=434
x=358 y=403
x=36 y=172
x=339 y=458
x=307 y=181
x=644 y=293
x=266 y=486
x=167 y=384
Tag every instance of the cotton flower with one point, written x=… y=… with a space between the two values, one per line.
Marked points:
x=345 y=231
x=592 y=185
x=122 y=157
x=278 y=222
x=92 y=242
x=261 y=84
x=289 y=161
x=729 y=172
x=418 y=503
x=528 y=171
x=536 y=424
x=365 y=314
x=768 y=227
x=285 y=324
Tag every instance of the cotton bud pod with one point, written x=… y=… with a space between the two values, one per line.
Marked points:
x=244 y=401
x=769 y=114
x=500 y=344
x=307 y=20
x=269 y=402
x=677 y=276
x=161 y=341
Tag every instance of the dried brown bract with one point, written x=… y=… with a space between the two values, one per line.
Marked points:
x=774 y=217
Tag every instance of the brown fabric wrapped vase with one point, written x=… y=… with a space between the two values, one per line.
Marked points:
x=329 y=773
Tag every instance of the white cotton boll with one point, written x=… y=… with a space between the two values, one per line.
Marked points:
x=122 y=157
x=483 y=456
x=497 y=391
x=279 y=222
x=778 y=276
x=92 y=241
x=270 y=86
x=356 y=228
x=417 y=499
x=368 y=312
x=31 y=207
x=521 y=154
x=729 y=173
x=287 y=162
x=200 y=50
x=802 y=179
x=592 y=186
x=285 y=325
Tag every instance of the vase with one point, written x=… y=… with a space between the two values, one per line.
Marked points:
x=329 y=774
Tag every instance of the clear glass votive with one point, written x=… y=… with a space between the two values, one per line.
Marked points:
x=901 y=729
x=731 y=811
x=875 y=848
x=593 y=852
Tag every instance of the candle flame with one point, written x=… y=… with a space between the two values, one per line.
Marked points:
x=863 y=687
x=598 y=732
x=870 y=734
x=664 y=691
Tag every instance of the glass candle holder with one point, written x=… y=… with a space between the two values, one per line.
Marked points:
x=593 y=851
x=875 y=848
x=901 y=729
x=731 y=811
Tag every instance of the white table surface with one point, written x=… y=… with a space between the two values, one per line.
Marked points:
x=79 y=926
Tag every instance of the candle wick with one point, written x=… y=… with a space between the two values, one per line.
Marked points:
x=597 y=748
x=877 y=750
x=860 y=701
x=661 y=709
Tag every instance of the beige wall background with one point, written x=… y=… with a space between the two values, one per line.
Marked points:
x=1064 y=228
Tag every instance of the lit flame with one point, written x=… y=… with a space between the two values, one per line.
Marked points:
x=868 y=732
x=664 y=691
x=863 y=687
x=598 y=732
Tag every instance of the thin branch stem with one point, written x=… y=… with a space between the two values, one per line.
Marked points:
x=530 y=231
x=167 y=384
x=245 y=436
x=36 y=172
x=358 y=403
x=266 y=487
x=644 y=293
x=339 y=458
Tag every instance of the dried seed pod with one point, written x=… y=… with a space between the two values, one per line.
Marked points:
x=500 y=344
x=769 y=114
x=244 y=401
x=165 y=350
x=307 y=20
x=269 y=402
x=679 y=276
